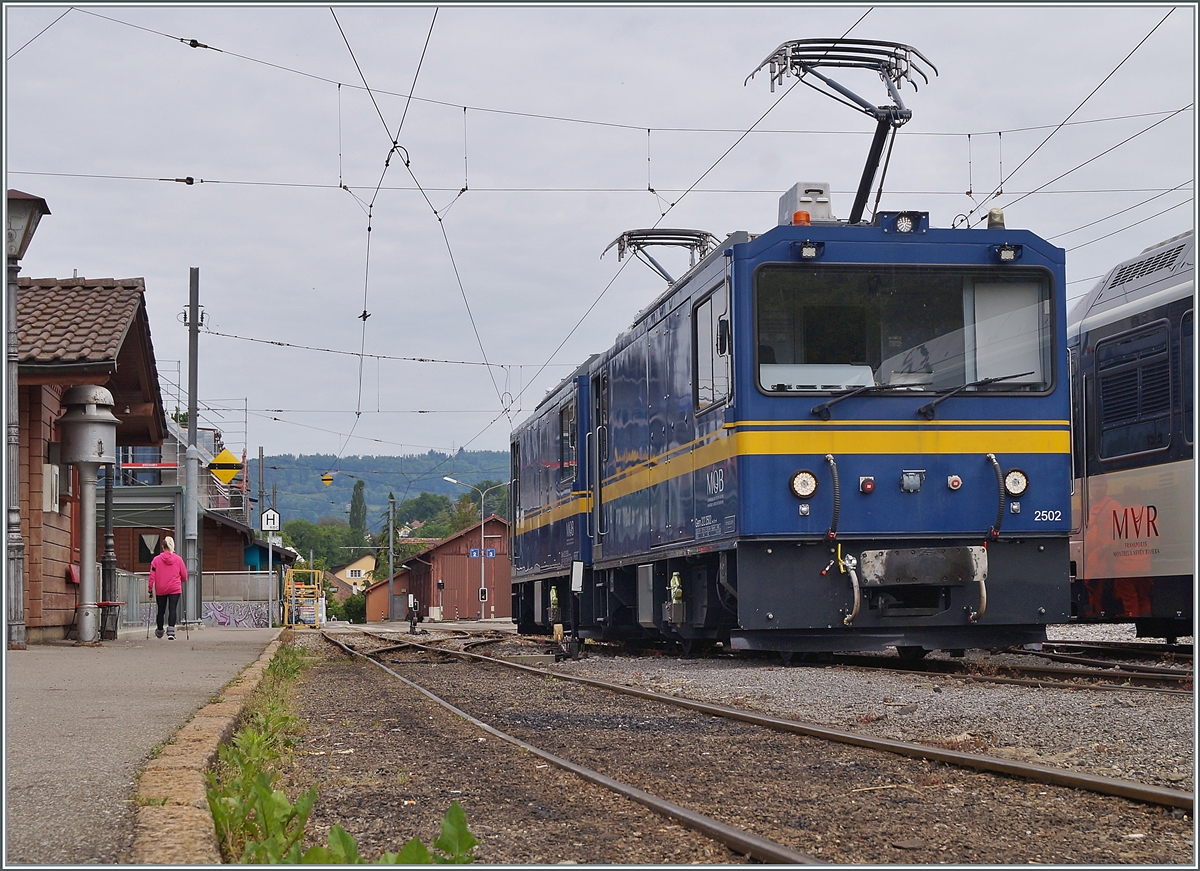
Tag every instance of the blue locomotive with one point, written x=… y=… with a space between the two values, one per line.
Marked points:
x=835 y=435
x=824 y=437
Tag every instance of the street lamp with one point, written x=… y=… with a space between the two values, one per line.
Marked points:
x=482 y=540
x=24 y=211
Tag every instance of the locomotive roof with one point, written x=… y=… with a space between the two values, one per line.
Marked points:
x=732 y=239
x=579 y=370
x=1162 y=267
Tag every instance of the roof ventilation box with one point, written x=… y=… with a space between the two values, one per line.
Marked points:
x=807 y=196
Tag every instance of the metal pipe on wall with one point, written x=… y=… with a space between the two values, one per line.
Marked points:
x=87 y=620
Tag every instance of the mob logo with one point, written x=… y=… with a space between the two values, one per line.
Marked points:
x=1142 y=520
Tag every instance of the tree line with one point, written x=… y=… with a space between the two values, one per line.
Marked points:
x=332 y=542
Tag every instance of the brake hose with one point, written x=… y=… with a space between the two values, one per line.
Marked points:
x=994 y=532
x=837 y=497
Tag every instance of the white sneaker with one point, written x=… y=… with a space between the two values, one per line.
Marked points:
x=171 y=633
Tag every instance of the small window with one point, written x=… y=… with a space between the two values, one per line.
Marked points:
x=354 y=574
x=567 y=452
x=712 y=340
x=1187 y=361
x=147 y=546
x=1133 y=372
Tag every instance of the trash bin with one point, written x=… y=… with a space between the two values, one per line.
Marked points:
x=110 y=620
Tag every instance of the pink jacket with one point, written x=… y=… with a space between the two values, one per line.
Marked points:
x=167 y=574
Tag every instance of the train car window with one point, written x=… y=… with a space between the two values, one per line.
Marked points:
x=822 y=328
x=1133 y=373
x=602 y=432
x=515 y=487
x=711 y=342
x=1187 y=362
x=567 y=453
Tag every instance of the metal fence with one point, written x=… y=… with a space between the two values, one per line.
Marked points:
x=131 y=589
x=233 y=599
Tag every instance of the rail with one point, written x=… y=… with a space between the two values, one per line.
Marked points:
x=742 y=841
x=1146 y=793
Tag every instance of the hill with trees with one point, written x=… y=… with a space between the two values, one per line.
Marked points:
x=301 y=495
x=341 y=521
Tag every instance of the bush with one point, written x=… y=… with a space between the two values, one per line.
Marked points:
x=355 y=608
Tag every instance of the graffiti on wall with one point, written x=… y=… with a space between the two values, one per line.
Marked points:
x=246 y=615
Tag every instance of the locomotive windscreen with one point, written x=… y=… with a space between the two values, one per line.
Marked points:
x=916 y=328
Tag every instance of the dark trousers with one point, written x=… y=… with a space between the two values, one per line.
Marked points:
x=168 y=606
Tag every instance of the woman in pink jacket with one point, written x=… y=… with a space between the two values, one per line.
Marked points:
x=167 y=574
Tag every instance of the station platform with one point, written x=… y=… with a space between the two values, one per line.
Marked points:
x=79 y=722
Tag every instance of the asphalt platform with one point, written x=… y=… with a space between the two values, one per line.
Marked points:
x=79 y=721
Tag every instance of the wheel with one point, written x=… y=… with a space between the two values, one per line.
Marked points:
x=688 y=646
x=911 y=653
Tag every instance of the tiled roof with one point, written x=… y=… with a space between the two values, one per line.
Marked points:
x=75 y=320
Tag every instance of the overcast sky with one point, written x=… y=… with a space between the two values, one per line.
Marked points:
x=571 y=115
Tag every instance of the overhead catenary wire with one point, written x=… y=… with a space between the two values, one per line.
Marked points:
x=561 y=190
x=1128 y=226
x=1000 y=187
x=1179 y=186
x=39 y=33
x=1096 y=157
x=395 y=148
x=541 y=116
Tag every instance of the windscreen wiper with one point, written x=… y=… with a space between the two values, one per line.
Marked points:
x=822 y=410
x=929 y=409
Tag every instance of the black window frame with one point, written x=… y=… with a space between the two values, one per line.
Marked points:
x=715 y=320
x=568 y=442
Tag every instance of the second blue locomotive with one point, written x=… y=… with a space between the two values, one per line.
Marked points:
x=824 y=437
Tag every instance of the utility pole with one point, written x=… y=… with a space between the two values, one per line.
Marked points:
x=391 y=551
x=191 y=510
x=261 y=507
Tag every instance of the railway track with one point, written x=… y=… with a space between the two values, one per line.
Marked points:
x=1085 y=674
x=787 y=783
x=1093 y=783
x=1156 y=650
x=739 y=840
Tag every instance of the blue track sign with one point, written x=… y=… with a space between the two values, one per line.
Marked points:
x=474 y=554
x=490 y=553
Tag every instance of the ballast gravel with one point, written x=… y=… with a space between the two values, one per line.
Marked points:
x=1133 y=735
x=388 y=764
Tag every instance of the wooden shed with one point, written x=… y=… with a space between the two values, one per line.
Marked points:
x=447 y=577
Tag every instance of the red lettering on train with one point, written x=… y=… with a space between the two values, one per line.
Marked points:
x=1147 y=514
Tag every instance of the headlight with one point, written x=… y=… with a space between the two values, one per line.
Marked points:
x=803 y=484
x=1015 y=482
x=904 y=224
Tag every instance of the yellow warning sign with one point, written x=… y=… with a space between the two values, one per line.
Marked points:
x=225 y=466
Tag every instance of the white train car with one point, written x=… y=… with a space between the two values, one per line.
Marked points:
x=1131 y=345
